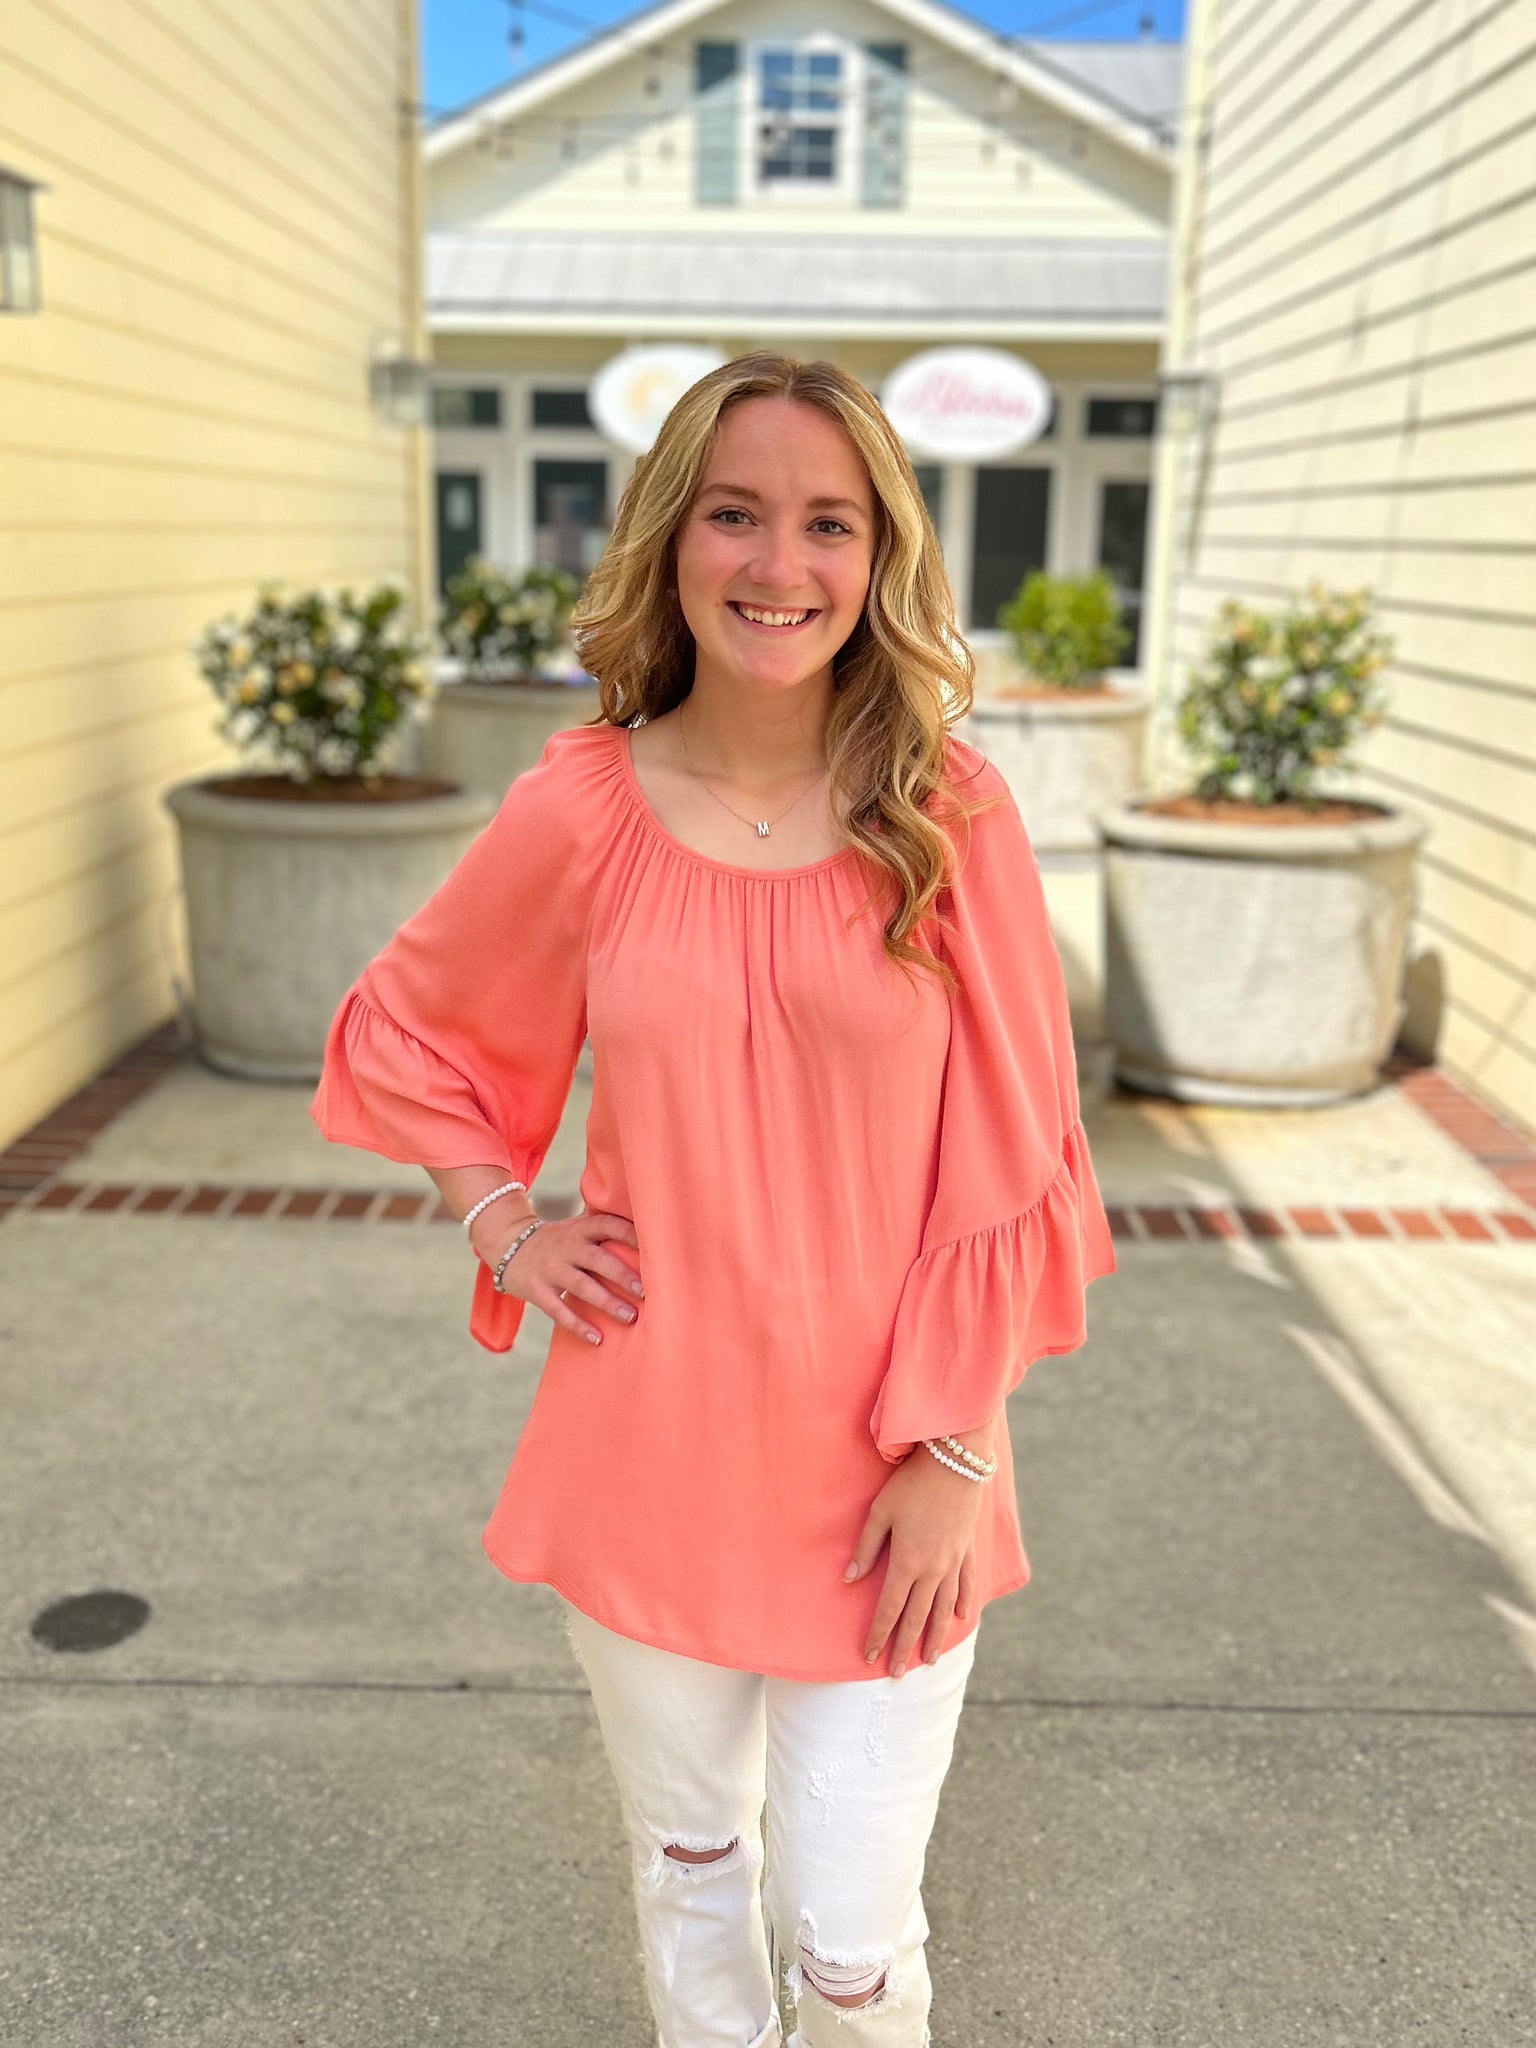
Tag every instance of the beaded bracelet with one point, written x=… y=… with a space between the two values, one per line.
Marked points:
x=485 y=1201
x=972 y=1458
x=954 y=1464
x=501 y=1264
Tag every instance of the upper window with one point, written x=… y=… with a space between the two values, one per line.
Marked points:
x=800 y=109
x=801 y=104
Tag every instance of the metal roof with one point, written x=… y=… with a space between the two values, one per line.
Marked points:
x=1144 y=80
x=668 y=281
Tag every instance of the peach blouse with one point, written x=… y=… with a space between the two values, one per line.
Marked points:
x=864 y=1207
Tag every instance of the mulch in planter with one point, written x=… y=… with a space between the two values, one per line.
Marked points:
x=334 y=789
x=1233 y=810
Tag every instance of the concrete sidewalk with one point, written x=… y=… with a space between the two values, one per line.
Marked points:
x=1249 y=1761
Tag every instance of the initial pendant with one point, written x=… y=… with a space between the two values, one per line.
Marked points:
x=762 y=828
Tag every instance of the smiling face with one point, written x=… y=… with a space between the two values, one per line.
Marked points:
x=774 y=553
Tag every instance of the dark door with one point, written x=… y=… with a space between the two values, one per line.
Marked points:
x=458 y=521
x=1012 y=515
x=1123 y=552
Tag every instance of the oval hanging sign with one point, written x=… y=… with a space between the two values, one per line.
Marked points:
x=632 y=393
x=966 y=404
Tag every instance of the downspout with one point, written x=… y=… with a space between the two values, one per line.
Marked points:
x=413 y=316
x=1176 y=440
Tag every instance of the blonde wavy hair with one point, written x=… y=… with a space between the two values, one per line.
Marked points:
x=901 y=679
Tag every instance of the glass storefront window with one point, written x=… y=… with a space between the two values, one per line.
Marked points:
x=1008 y=538
x=560 y=409
x=1123 y=552
x=570 y=513
x=930 y=481
x=1121 y=419
x=463 y=405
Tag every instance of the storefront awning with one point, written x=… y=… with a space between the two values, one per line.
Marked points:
x=887 y=285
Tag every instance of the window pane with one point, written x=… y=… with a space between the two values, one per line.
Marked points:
x=1122 y=419
x=561 y=409
x=461 y=406
x=1012 y=508
x=570 y=514
x=930 y=481
x=1123 y=551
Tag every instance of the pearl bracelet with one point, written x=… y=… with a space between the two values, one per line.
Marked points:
x=972 y=1458
x=954 y=1464
x=485 y=1201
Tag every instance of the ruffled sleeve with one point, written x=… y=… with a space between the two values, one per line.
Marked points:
x=1016 y=1228
x=457 y=1044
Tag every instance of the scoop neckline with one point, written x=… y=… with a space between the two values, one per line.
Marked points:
x=722 y=867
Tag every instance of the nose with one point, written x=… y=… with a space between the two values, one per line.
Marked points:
x=778 y=561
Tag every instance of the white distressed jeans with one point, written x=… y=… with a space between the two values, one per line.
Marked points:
x=850 y=1771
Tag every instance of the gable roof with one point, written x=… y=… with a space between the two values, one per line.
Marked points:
x=1066 y=77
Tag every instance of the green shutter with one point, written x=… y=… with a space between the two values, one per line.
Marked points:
x=714 y=72
x=885 y=124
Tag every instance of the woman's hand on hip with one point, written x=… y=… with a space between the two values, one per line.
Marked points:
x=930 y=1515
x=566 y=1262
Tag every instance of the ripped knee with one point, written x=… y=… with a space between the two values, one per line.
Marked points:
x=672 y=1857
x=845 y=1980
x=842 y=1984
x=682 y=1855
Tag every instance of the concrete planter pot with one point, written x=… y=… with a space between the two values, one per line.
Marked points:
x=484 y=733
x=1064 y=757
x=1255 y=963
x=288 y=900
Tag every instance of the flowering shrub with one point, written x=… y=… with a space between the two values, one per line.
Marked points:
x=317 y=682
x=1066 y=629
x=1280 y=696
x=492 y=620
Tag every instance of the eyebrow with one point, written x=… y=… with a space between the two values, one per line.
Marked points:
x=741 y=491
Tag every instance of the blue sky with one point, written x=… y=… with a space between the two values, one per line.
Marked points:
x=466 y=51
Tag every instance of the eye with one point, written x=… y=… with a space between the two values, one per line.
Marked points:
x=728 y=511
x=839 y=525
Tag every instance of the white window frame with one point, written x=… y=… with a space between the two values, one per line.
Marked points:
x=845 y=188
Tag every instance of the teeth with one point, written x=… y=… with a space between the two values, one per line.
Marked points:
x=772 y=618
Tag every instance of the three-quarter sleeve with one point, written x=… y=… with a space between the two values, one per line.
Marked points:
x=458 y=1042
x=1016 y=1228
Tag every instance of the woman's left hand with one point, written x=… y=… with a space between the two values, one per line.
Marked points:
x=930 y=1514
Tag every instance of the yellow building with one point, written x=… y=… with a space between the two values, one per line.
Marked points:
x=1354 y=287
x=221 y=249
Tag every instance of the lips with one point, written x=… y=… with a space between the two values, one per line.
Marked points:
x=773 y=620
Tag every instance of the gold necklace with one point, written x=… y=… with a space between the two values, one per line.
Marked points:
x=759 y=825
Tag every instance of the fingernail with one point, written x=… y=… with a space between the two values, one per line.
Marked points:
x=592 y=1337
x=626 y=1312
x=898 y=1670
x=851 y=1573
x=870 y=1656
x=636 y=1288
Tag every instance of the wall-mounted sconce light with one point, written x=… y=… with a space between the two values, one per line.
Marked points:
x=20 y=290
x=400 y=389
x=1188 y=399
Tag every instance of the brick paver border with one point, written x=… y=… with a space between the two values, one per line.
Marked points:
x=33 y=1176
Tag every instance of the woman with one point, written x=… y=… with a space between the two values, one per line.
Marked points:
x=837 y=1194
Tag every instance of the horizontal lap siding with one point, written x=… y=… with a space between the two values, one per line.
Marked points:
x=1365 y=288
x=223 y=240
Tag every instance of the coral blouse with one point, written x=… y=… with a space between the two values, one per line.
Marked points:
x=864 y=1207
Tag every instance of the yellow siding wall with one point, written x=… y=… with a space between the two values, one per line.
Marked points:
x=228 y=229
x=1363 y=279
x=631 y=152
